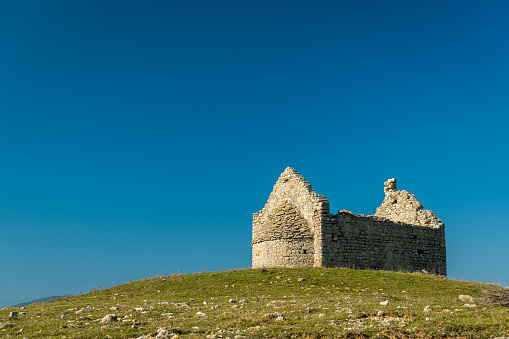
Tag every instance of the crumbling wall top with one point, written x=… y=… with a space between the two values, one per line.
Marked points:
x=402 y=206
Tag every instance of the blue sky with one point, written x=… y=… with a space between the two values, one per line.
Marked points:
x=137 y=138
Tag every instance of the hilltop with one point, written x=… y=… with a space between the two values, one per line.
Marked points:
x=276 y=302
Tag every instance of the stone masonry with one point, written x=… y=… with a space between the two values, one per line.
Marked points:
x=296 y=229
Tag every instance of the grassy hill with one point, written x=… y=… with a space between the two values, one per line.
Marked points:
x=285 y=303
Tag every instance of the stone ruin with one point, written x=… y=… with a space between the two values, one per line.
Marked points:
x=296 y=229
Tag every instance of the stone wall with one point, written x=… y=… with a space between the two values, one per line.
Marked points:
x=373 y=242
x=284 y=253
x=295 y=229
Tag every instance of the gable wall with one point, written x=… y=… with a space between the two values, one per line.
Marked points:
x=281 y=240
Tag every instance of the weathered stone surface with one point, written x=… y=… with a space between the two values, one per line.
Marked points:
x=296 y=229
x=466 y=298
x=109 y=318
x=274 y=315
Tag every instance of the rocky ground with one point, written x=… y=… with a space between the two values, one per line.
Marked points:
x=263 y=303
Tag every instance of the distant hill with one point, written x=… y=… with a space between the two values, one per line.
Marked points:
x=38 y=301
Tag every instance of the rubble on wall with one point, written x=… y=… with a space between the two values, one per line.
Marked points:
x=403 y=206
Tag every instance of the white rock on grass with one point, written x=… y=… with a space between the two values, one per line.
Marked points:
x=427 y=309
x=380 y=314
x=470 y=305
x=163 y=333
x=384 y=303
x=109 y=318
x=276 y=315
x=466 y=298
x=233 y=301
x=200 y=315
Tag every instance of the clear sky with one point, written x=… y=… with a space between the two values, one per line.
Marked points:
x=138 y=137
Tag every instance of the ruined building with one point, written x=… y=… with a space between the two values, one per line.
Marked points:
x=296 y=229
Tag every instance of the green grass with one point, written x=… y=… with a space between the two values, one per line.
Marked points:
x=328 y=303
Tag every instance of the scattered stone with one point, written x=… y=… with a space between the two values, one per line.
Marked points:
x=2 y=326
x=274 y=315
x=162 y=333
x=13 y=315
x=235 y=306
x=281 y=318
x=200 y=314
x=321 y=315
x=380 y=314
x=175 y=337
x=114 y=308
x=109 y=318
x=384 y=303
x=233 y=301
x=278 y=277
x=427 y=309
x=238 y=336
x=211 y=336
x=470 y=305
x=63 y=316
x=215 y=307
x=466 y=298
x=243 y=301
x=301 y=279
